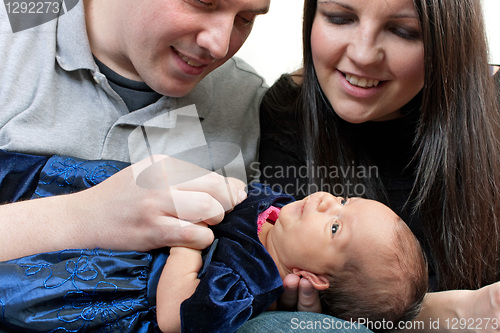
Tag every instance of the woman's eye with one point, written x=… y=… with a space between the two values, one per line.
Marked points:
x=339 y=19
x=404 y=33
x=335 y=228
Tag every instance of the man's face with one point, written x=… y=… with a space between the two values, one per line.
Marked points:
x=172 y=44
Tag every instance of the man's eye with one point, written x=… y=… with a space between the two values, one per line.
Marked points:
x=202 y=3
x=247 y=19
x=335 y=228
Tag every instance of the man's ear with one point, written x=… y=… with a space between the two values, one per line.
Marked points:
x=319 y=282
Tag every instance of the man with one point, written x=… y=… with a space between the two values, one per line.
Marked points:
x=55 y=99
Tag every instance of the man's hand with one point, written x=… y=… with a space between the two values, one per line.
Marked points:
x=143 y=207
x=152 y=204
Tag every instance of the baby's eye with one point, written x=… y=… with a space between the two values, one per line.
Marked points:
x=343 y=201
x=335 y=228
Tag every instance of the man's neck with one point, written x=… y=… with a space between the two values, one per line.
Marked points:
x=102 y=39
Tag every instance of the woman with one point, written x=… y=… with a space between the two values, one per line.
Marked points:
x=395 y=102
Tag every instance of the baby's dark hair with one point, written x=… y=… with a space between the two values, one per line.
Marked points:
x=392 y=292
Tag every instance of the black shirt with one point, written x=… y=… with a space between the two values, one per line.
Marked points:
x=135 y=94
x=389 y=145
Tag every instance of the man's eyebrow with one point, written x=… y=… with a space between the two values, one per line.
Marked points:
x=260 y=11
x=263 y=10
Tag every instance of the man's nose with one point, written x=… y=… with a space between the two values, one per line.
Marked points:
x=216 y=36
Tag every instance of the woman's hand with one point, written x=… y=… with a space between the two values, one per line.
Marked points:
x=299 y=295
x=464 y=311
x=478 y=310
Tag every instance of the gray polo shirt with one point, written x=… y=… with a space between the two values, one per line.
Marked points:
x=54 y=100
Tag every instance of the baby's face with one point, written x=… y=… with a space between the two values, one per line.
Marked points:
x=320 y=232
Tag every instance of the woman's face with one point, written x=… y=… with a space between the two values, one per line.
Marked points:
x=368 y=56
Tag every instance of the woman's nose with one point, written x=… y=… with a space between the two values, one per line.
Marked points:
x=364 y=48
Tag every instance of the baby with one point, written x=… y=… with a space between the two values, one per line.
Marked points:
x=362 y=257
x=358 y=253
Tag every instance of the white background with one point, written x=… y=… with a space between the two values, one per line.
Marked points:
x=275 y=44
x=492 y=16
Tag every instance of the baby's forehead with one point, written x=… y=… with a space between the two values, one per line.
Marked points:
x=373 y=205
x=384 y=236
x=371 y=211
x=378 y=255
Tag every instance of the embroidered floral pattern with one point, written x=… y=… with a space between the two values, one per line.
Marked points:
x=91 y=301
x=74 y=174
x=65 y=172
x=84 y=308
x=76 y=269
x=2 y=310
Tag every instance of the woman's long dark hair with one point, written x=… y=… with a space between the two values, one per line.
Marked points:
x=457 y=145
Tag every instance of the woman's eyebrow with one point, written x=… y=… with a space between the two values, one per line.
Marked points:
x=405 y=15
x=337 y=3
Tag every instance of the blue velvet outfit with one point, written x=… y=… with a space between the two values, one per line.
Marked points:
x=111 y=291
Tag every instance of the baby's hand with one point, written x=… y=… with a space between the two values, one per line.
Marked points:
x=178 y=282
x=184 y=252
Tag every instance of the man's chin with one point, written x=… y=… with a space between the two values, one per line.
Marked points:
x=180 y=90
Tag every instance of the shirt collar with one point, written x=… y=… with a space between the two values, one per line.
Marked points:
x=73 y=47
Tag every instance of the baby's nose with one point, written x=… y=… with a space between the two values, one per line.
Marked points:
x=327 y=202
